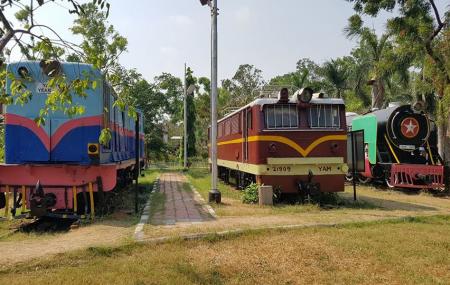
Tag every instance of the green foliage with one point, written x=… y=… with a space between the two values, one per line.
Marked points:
x=250 y=194
x=2 y=142
x=102 y=44
x=335 y=72
x=244 y=85
x=105 y=136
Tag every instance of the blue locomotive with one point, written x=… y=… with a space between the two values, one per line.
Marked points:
x=64 y=154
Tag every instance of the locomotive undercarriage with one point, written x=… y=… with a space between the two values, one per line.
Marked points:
x=303 y=188
x=42 y=198
x=235 y=177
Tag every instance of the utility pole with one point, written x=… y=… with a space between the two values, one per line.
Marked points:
x=214 y=194
x=185 y=138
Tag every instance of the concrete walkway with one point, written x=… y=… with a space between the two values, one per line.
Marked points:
x=181 y=204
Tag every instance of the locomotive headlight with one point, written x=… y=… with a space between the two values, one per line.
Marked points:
x=304 y=95
x=93 y=148
x=23 y=72
x=344 y=168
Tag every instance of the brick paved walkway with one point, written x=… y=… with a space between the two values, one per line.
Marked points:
x=180 y=203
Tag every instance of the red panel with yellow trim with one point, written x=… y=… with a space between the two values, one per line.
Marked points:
x=289 y=143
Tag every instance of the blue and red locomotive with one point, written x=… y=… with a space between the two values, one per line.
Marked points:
x=73 y=169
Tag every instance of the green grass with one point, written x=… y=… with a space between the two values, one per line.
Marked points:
x=232 y=199
x=398 y=251
x=201 y=179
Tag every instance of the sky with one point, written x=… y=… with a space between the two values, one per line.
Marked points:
x=270 y=34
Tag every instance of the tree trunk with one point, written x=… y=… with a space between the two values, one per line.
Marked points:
x=377 y=93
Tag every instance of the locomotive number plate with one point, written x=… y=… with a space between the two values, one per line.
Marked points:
x=43 y=88
x=281 y=168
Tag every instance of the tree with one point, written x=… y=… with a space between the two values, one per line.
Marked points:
x=30 y=27
x=419 y=31
x=307 y=74
x=191 y=115
x=153 y=106
x=335 y=73
x=244 y=84
x=377 y=49
x=102 y=44
x=34 y=43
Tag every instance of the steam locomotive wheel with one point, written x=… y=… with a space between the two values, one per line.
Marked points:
x=388 y=182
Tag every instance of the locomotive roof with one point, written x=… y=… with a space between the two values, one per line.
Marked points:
x=265 y=101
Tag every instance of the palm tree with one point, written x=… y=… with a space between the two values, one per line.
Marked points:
x=378 y=50
x=336 y=75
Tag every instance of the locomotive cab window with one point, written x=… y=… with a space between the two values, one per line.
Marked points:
x=281 y=116
x=324 y=116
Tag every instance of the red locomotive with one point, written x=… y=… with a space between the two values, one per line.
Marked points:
x=297 y=145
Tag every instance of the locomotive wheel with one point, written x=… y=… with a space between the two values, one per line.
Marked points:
x=388 y=182
x=2 y=201
x=349 y=177
x=364 y=180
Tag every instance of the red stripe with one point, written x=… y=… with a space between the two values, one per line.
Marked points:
x=13 y=119
x=72 y=124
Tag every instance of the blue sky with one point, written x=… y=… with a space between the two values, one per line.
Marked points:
x=270 y=34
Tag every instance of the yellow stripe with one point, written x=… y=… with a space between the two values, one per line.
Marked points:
x=431 y=155
x=289 y=142
x=392 y=150
x=24 y=198
x=91 y=198
x=7 y=201
x=286 y=169
x=75 y=201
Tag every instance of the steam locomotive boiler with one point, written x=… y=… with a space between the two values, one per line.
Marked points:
x=400 y=145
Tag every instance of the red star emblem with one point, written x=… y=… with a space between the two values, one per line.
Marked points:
x=410 y=127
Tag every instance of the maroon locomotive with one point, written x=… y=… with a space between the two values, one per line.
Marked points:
x=296 y=145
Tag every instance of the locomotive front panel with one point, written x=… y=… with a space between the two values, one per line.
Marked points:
x=289 y=145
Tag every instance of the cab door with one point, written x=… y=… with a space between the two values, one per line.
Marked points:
x=247 y=126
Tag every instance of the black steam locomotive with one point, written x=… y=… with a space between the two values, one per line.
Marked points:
x=400 y=148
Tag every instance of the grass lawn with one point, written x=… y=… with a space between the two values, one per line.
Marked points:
x=232 y=199
x=407 y=251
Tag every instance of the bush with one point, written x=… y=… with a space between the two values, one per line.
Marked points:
x=250 y=195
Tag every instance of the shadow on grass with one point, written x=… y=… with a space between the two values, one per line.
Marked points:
x=390 y=205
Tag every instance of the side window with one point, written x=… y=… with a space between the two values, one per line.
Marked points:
x=219 y=129
x=324 y=116
x=227 y=127
x=249 y=119
x=283 y=116
x=235 y=124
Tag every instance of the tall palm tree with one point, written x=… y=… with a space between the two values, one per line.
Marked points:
x=336 y=75
x=379 y=50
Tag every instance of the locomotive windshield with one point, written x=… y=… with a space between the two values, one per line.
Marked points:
x=281 y=116
x=324 y=116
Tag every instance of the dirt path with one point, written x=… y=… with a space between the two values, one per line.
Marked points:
x=104 y=233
